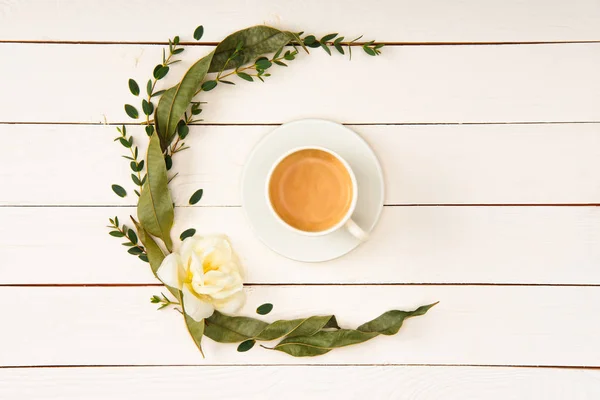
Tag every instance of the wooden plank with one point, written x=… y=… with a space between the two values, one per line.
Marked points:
x=431 y=164
x=390 y=20
x=429 y=84
x=472 y=325
x=556 y=245
x=263 y=382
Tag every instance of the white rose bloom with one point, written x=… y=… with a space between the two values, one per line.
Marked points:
x=208 y=273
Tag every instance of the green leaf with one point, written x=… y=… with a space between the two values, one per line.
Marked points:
x=337 y=44
x=245 y=76
x=195 y=328
x=187 y=233
x=132 y=236
x=168 y=162
x=176 y=40
x=149 y=87
x=119 y=190
x=149 y=130
x=154 y=253
x=143 y=257
x=280 y=63
x=324 y=46
x=199 y=32
x=131 y=111
x=136 y=180
x=229 y=329
x=263 y=63
x=196 y=196
x=135 y=251
x=257 y=40
x=147 y=107
x=133 y=87
x=155 y=206
x=183 y=130
x=161 y=72
x=178 y=51
x=158 y=93
x=310 y=39
x=327 y=38
x=116 y=234
x=325 y=340
x=264 y=309
x=227 y=82
x=226 y=329
x=209 y=85
x=369 y=50
x=124 y=142
x=246 y=345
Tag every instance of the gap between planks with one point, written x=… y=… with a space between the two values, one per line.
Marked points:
x=585 y=367
x=238 y=206
x=279 y=124
x=355 y=44
x=309 y=284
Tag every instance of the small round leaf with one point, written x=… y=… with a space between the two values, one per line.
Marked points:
x=119 y=190
x=131 y=111
x=161 y=72
x=149 y=130
x=209 y=85
x=187 y=233
x=133 y=87
x=245 y=76
x=183 y=130
x=246 y=345
x=168 y=162
x=116 y=234
x=199 y=32
x=135 y=251
x=196 y=196
x=264 y=309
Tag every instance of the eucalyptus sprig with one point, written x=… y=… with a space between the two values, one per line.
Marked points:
x=122 y=231
x=136 y=165
x=326 y=42
x=164 y=301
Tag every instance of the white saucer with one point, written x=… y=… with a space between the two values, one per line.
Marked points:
x=311 y=132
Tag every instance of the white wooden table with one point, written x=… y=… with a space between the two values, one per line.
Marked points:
x=485 y=116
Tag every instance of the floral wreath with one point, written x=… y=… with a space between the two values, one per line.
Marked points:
x=203 y=273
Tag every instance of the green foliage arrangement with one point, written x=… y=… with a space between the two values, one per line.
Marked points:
x=250 y=55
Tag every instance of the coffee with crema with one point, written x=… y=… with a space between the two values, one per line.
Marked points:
x=311 y=190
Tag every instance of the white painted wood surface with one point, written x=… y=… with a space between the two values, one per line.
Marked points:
x=549 y=245
x=491 y=158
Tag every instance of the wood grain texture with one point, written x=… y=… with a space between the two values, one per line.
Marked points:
x=538 y=245
x=262 y=382
x=470 y=325
x=431 y=164
x=427 y=84
x=390 y=20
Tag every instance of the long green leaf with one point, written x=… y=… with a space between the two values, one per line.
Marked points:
x=195 y=328
x=324 y=341
x=227 y=329
x=256 y=41
x=154 y=253
x=155 y=207
x=175 y=101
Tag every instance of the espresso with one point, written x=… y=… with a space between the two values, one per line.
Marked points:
x=311 y=190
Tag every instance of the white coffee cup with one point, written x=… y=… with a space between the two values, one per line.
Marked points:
x=346 y=222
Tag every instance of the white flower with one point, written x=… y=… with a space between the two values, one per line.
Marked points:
x=208 y=273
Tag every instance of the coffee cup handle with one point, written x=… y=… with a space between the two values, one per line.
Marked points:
x=356 y=231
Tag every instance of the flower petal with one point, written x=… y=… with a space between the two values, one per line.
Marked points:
x=171 y=271
x=230 y=304
x=194 y=306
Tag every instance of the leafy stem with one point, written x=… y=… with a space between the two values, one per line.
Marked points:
x=164 y=301
x=122 y=231
x=137 y=166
